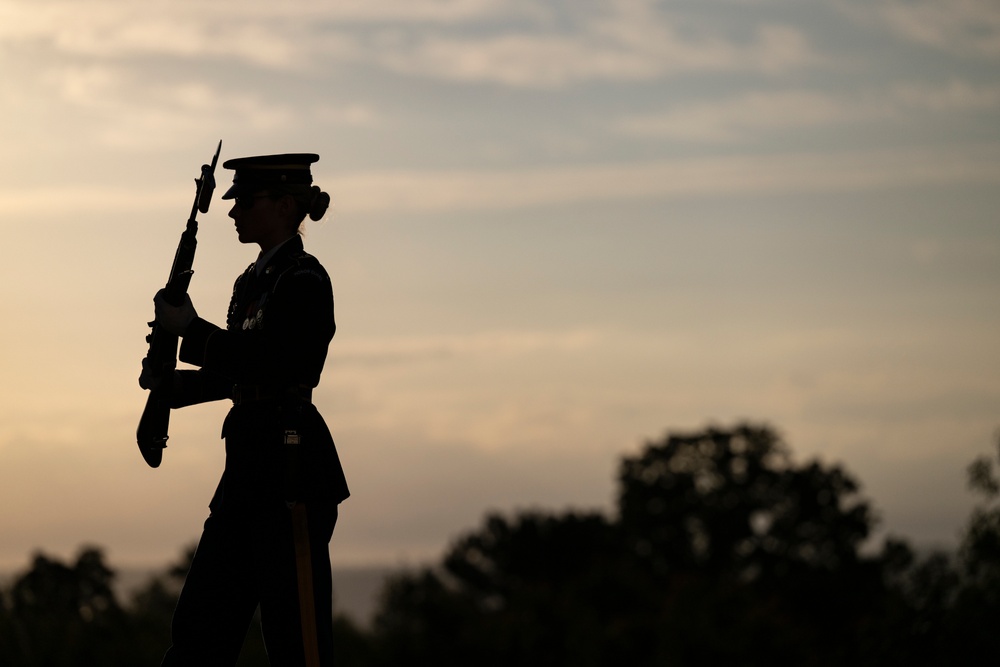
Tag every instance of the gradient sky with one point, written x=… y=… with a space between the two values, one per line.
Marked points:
x=560 y=229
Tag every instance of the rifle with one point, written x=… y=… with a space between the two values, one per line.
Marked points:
x=151 y=435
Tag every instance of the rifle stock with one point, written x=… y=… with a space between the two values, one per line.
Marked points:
x=152 y=432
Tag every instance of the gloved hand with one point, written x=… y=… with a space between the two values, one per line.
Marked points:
x=151 y=378
x=174 y=319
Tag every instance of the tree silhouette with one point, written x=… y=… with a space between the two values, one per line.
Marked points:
x=969 y=631
x=60 y=615
x=980 y=549
x=63 y=614
x=731 y=501
x=533 y=590
x=152 y=607
x=757 y=559
x=723 y=549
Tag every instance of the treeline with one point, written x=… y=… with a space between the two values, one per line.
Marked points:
x=721 y=550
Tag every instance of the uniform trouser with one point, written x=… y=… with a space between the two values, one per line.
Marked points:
x=246 y=560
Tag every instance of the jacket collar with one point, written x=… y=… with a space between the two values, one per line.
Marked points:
x=277 y=253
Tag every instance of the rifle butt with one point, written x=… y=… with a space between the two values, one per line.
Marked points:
x=151 y=434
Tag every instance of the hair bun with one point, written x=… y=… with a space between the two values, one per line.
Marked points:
x=318 y=204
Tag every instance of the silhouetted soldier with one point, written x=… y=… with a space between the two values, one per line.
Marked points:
x=266 y=540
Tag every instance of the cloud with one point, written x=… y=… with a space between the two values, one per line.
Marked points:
x=744 y=117
x=754 y=115
x=617 y=48
x=510 y=43
x=118 y=30
x=63 y=200
x=927 y=251
x=957 y=95
x=134 y=113
x=378 y=192
x=963 y=27
x=494 y=344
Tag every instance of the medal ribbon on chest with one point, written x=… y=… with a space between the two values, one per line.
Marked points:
x=255 y=313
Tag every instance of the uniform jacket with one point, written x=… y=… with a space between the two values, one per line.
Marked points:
x=267 y=359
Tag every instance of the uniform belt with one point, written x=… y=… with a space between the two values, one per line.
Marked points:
x=249 y=393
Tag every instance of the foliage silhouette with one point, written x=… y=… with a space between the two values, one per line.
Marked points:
x=59 y=614
x=67 y=615
x=721 y=549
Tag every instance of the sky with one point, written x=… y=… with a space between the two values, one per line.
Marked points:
x=560 y=230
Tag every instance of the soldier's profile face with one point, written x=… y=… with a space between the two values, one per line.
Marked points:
x=255 y=217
